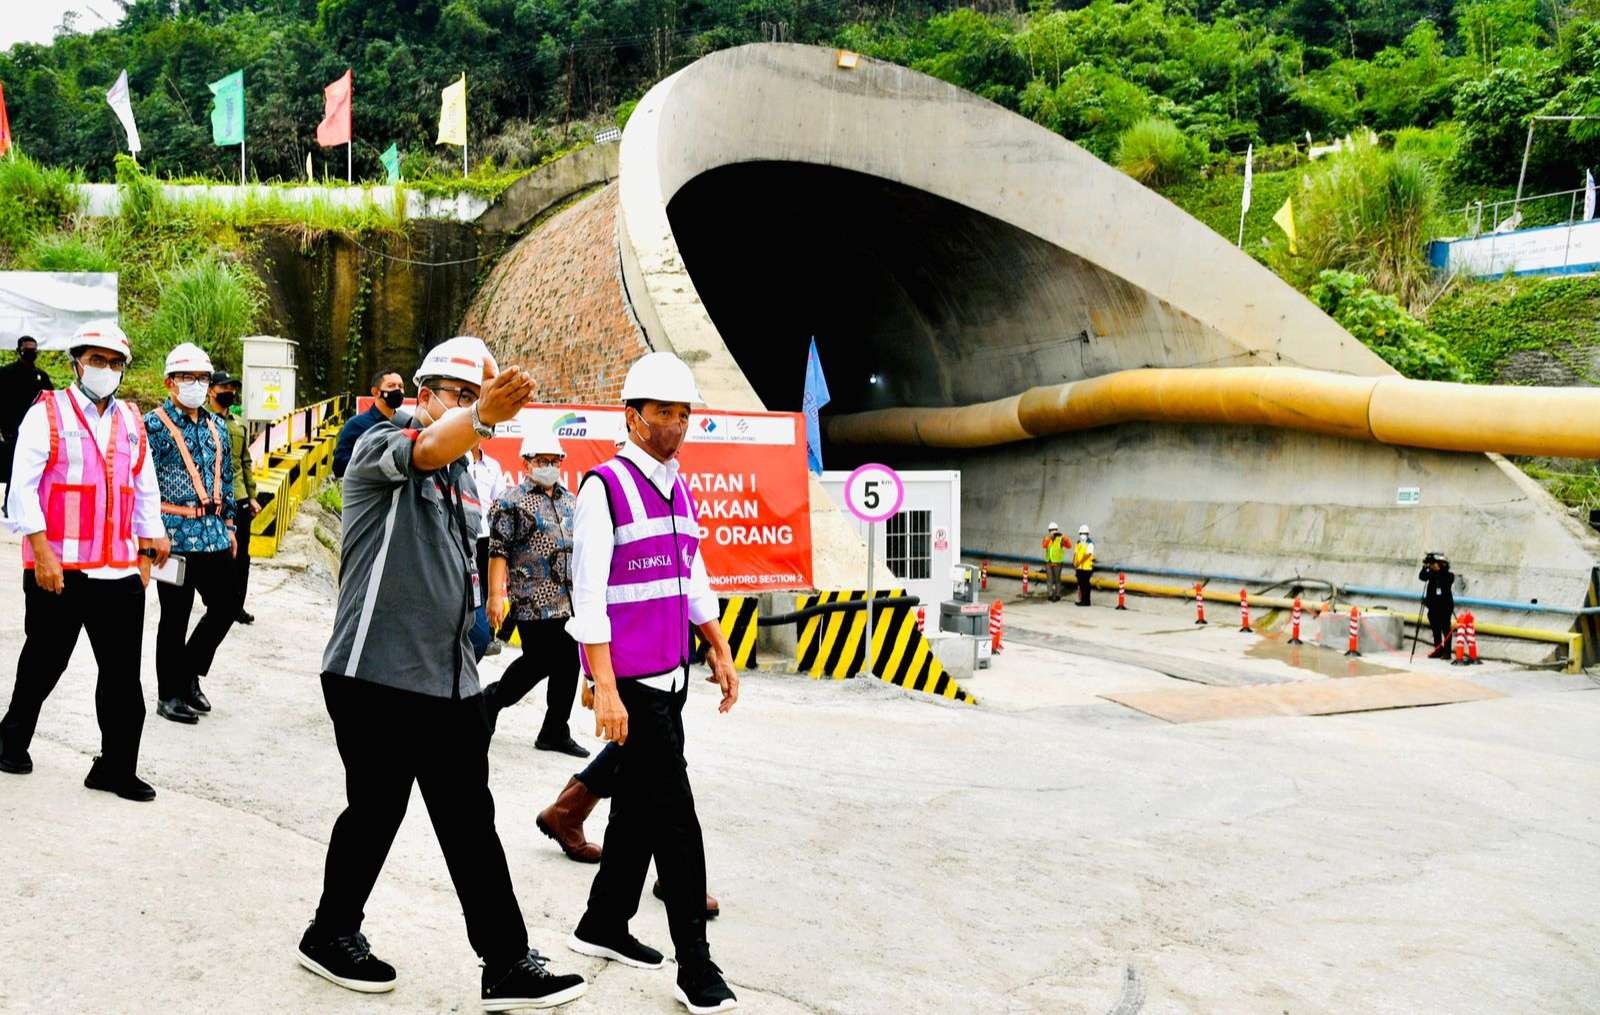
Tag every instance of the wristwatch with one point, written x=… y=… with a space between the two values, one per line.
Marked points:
x=148 y=551
x=479 y=426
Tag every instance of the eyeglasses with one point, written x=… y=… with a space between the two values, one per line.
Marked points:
x=464 y=397
x=101 y=362
x=188 y=378
x=542 y=461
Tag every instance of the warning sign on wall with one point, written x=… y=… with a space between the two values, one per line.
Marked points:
x=747 y=471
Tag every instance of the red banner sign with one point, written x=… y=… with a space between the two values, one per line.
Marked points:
x=747 y=471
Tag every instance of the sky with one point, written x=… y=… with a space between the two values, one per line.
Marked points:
x=36 y=20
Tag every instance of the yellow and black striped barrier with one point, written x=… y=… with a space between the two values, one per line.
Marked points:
x=830 y=645
x=738 y=623
x=294 y=471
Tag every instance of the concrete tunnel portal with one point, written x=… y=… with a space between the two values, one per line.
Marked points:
x=963 y=255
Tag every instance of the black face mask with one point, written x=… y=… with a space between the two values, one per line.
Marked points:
x=27 y=355
x=394 y=399
x=226 y=399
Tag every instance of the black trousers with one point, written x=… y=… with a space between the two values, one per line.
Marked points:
x=1085 y=587
x=183 y=658
x=389 y=739
x=242 y=517
x=112 y=611
x=548 y=652
x=1439 y=622
x=652 y=814
x=8 y=450
x=600 y=776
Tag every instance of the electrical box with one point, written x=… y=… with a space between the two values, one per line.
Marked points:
x=268 y=376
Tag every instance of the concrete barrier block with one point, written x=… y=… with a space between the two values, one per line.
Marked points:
x=1380 y=631
x=957 y=653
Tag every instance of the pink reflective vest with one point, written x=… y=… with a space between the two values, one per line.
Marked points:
x=88 y=498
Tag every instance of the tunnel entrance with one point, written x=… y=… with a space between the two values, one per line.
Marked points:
x=913 y=299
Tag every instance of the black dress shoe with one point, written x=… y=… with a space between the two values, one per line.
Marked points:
x=125 y=785
x=568 y=746
x=245 y=617
x=17 y=764
x=175 y=710
x=197 y=701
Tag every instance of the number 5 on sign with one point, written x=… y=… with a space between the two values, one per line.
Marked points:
x=873 y=493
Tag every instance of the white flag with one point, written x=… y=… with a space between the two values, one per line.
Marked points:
x=310 y=177
x=118 y=98
x=453 y=113
x=1588 y=195
x=1249 y=159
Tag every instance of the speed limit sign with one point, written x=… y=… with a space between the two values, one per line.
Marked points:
x=874 y=493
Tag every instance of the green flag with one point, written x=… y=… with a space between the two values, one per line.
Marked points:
x=391 y=161
x=227 y=109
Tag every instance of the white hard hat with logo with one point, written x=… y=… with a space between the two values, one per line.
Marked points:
x=542 y=441
x=1054 y=527
x=187 y=358
x=461 y=358
x=661 y=377
x=105 y=334
x=1083 y=530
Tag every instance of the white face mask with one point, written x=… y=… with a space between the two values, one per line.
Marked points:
x=192 y=394
x=100 y=382
x=548 y=475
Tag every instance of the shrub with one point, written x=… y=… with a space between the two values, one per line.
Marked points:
x=65 y=252
x=1366 y=211
x=1381 y=324
x=33 y=199
x=1157 y=154
x=209 y=301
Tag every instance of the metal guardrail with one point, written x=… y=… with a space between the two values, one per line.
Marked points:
x=294 y=468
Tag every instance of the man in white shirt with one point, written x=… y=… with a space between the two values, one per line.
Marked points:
x=491 y=483
x=639 y=582
x=84 y=497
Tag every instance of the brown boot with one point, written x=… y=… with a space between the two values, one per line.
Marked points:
x=712 y=908
x=563 y=821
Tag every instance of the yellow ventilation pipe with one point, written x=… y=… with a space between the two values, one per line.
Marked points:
x=1559 y=422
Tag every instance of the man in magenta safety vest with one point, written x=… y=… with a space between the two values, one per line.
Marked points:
x=191 y=450
x=639 y=582
x=84 y=498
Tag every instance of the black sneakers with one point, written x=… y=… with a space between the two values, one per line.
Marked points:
x=347 y=961
x=623 y=948
x=124 y=784
x=18 y=763
x=528 y=984
x=702 y=990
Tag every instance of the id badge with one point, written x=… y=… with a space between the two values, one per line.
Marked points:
x=477 y=591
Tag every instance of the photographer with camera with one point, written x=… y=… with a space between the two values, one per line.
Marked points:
x=1438 y=600
x=190 y=450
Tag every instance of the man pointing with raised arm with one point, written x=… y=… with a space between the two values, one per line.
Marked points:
x=401 y=684
x=638 y=583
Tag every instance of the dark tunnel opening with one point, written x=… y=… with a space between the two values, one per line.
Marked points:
x=913 y=299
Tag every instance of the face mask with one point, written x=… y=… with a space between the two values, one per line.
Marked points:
x=192 y=394
x=226 y=399
x=661 y=441
x=394 y=399
x=28 y=355
x=548 y=475
x=99 y=382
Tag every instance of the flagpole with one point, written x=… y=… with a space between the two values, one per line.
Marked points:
x=241 y=163
x=349 y=160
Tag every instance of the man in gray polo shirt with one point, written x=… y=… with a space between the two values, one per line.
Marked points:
x=401 y=685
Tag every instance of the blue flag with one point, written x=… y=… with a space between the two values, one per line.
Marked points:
x=815 y=398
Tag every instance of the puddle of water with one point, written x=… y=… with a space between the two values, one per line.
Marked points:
x=1310 y=657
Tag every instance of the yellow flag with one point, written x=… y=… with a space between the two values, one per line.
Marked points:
x=453 y=113
x=1285 y=219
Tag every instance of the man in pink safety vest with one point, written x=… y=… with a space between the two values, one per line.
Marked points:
x=84 y=497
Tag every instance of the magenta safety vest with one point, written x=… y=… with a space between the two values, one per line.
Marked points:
x=647 y=594
x=88 y=498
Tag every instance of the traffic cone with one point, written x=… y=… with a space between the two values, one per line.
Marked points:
x=983 y=576
x=1458 y=635
x=1355 y=633
x=1122 y=591
x=997 y=624
x=1472 y=639
x=1024 y=581
x=1199 y=603
x=922 y=619
x=1244 y=611
x=1294 y=637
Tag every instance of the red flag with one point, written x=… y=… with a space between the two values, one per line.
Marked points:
x=335 y=126
x=5 y=123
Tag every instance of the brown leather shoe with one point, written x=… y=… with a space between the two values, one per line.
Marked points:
x=563 y=821
x=712 y=908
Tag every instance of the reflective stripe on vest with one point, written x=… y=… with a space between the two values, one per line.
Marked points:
x=189 y=466
x=87 y=496
x=647 y=591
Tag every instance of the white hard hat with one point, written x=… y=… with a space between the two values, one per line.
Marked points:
x=1054 y=527
x=103 y=334
x=542 y=441
x=187 y=358
x=1083 y=530
x=461 y=358
x=660 y=377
